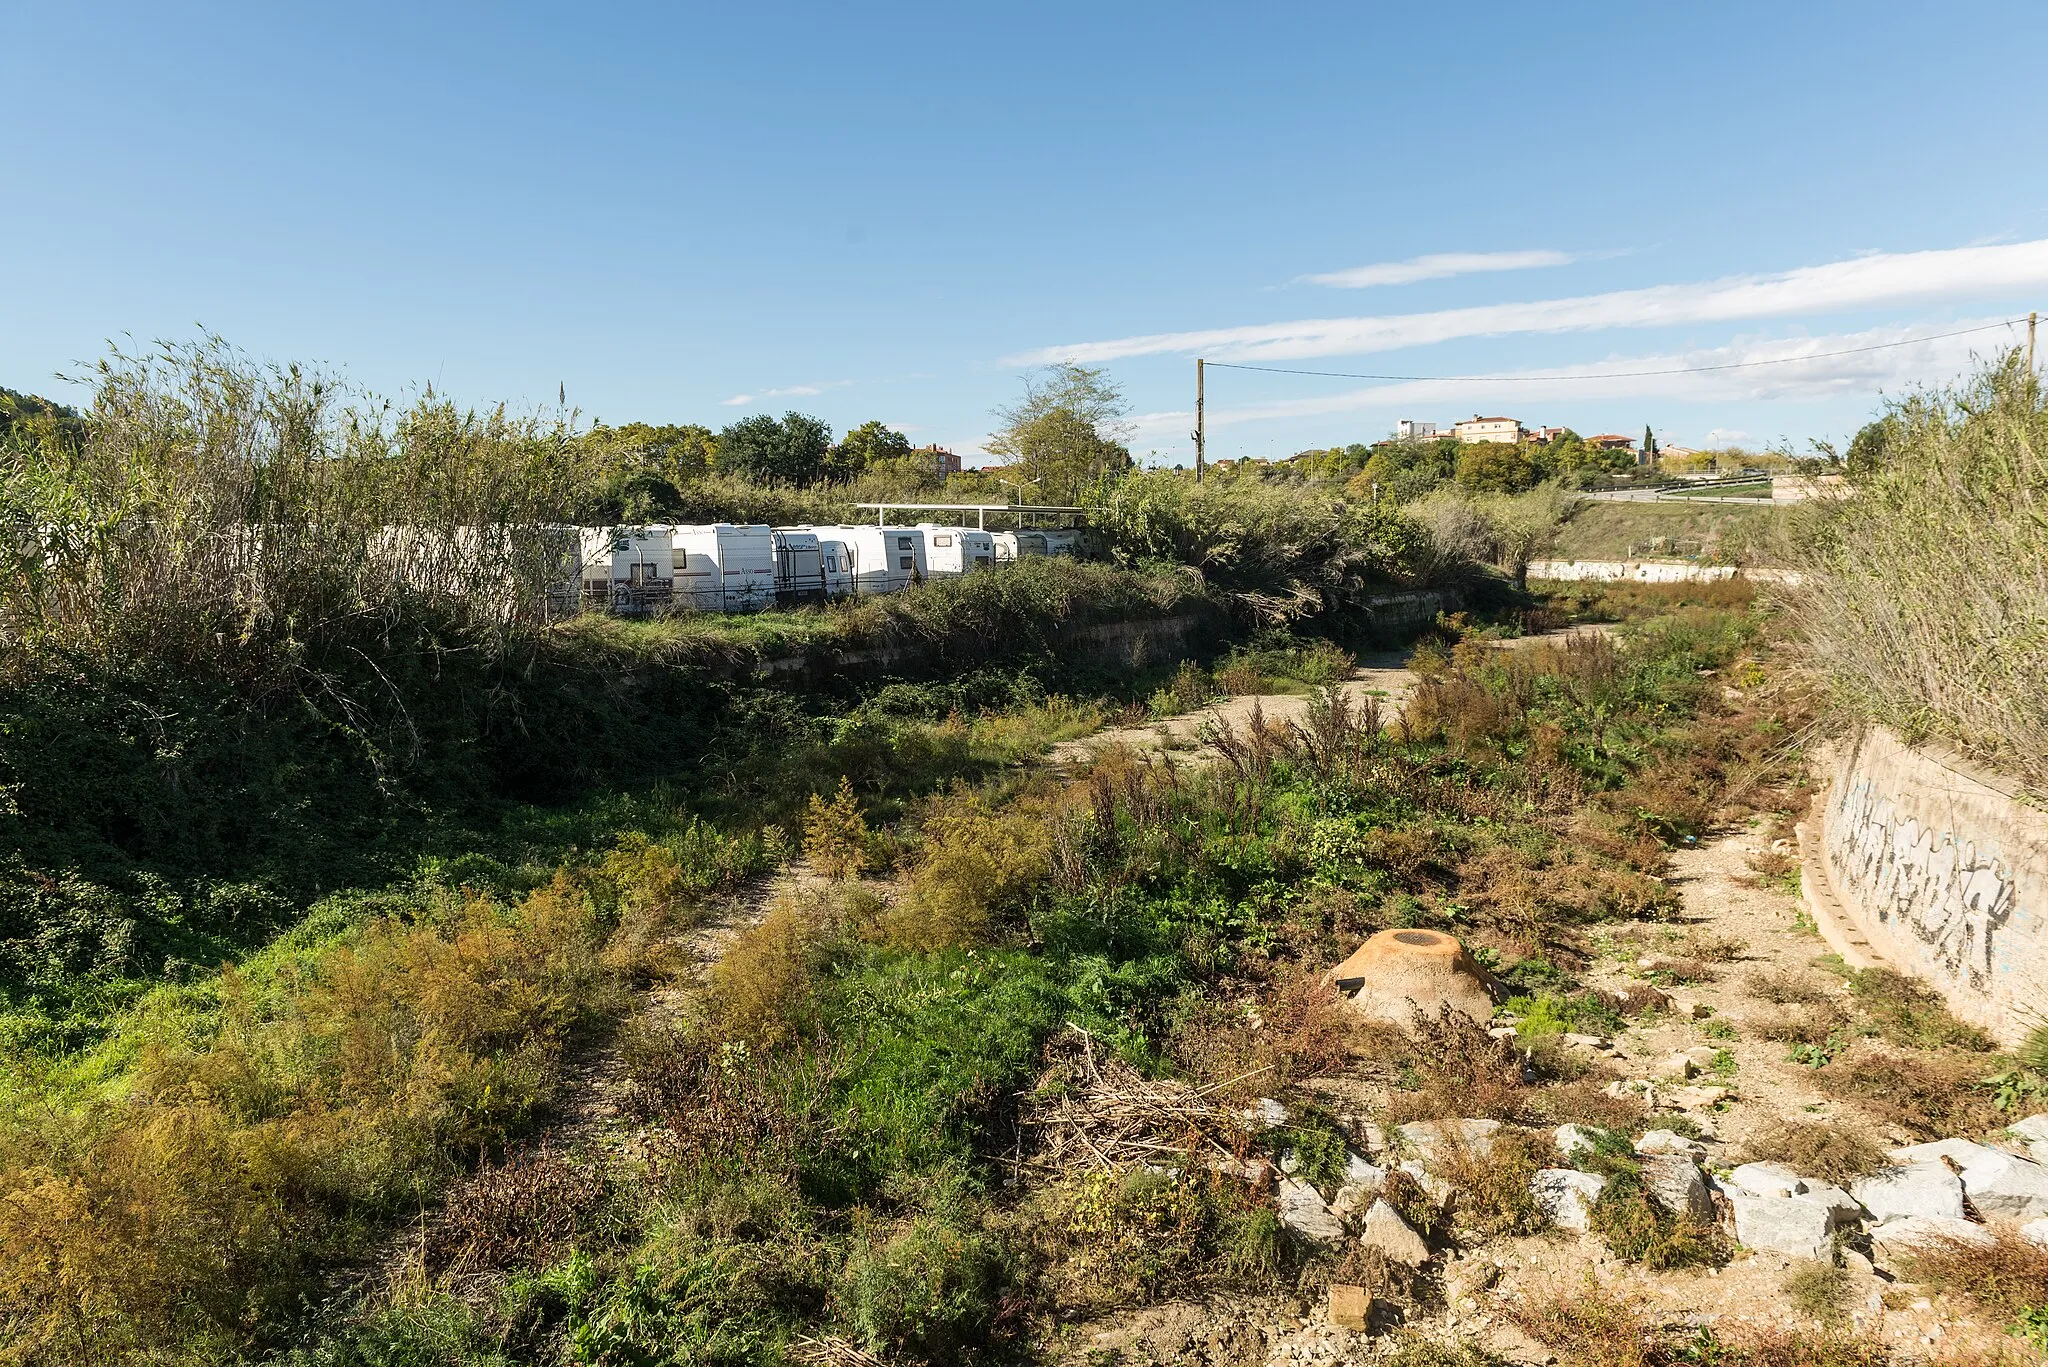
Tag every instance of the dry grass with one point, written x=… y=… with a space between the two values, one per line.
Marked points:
x=1297 y=1029
x=2008 y=1279
x=1939 y=551
x=761 y=989
x=1789 y=987
x=1838 y=1153
x=1592 y=1326
x=1457 y=1070
x=1929 y=1094
x=1494 y=1200
x=974 y=865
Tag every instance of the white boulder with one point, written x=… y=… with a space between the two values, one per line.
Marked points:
x=1435 y=1140
x=1925 y=1188
x=1671 y=1141
x=2001 y=1185
x=1783 y=1224
x=1764 y=1179
x=1567 y=1196
x=1574 y=1141
x=1304 y=1215
x=1386 y=1231
x=2035 y=1232
x=1265 y=1114
x=1916 y=1233
x=1675 y=1184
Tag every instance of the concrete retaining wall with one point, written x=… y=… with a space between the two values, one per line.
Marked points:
x=1655 y=572
x=1918 y=860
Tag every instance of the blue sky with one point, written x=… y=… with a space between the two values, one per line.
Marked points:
x=886 y=211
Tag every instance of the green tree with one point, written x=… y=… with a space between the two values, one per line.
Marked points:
x=1497 y=467
x=794 y=449
x=1649 y=445
x=870 y=444
x=1066 y=435
x=1870 y=448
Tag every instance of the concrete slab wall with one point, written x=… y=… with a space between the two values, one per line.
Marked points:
x=1933 y=866
x=1655 y=572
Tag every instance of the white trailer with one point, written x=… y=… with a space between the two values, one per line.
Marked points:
x=1026 y=543
x=880 y=559
x=724 y=567
x=952 y=551
x=628 y=569
x=836 y=562
x=1062 y=540
x=799 y=566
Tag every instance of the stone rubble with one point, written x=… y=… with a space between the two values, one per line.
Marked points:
x=1566 y=1196
x=1304 y=1214
x=1385 y=1230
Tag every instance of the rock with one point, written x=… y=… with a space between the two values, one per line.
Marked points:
x=1469 y=1277
x=1703 y=1055
x=1633 y=1086
x=1502 y=1032
x=1265 y=1114
x=1858 y=1264
x=1586 y=1041
x=2035 y=1232
x=1845 y=1209
x=1675 y=1184
x=1436 y=1140
x=1671 y=1141
x=1574 y=1140
x=1257 y=1171
x=1917 y=1232
x=2032 y=1128
x=1783 y=1224
x=1432 y=1186
x=1359 y=1173
x=1303 y=1214
x=1566 y=1197
x=1765 y=1179
x=1925 y=1188
x=1393 y=1236
x=2000 y=1184
x=1697 y=1098
x=1351 y=1199
x=1350 y=1306
x=1672 y=1068
x=1398 y=973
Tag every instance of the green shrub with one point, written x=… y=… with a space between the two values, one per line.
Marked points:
x=930 y=1291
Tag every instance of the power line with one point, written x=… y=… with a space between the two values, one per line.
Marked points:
x=1621 y=374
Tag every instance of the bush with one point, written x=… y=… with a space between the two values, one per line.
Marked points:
x=1911 y=574
x=1638 y=1230
x=761 y=989
x=974 y=866
x=1119 y=1238
x=1833 y=1152
x=929 y=1290
x=835 y=836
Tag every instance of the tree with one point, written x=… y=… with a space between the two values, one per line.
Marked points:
x=1649 y=445
x=867 y=445
x=1870 y=448
x=794 y=449
x=1068 y=432
x=1498 y=467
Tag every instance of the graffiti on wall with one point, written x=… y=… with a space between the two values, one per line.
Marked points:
x=1948 y=895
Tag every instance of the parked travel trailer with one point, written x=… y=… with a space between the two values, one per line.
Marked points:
x=628 y=569
x=1026 y=543
x=799 y=566
x=956 y=550
x=1062 y=540
x=835 y=559
x=724 y=567
x=881 y=559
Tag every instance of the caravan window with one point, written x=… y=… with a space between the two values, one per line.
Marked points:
x=902 y=543
x=942 y=541
x=909 y=562
x=831 y=562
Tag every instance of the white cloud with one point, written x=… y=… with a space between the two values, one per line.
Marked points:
x=1726 y=436
x=794 y=391
x=1436 y=266
x=1866 y=281
x=1807 y=373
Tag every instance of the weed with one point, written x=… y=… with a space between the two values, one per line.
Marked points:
x=2008 y=1278
x=975 y=865
x=1494 y=1197
x=1911 y=1014
x=1930 y=1094
x=929 y=1290
x=1639 y=1230
x=1116 y=1238
x=1834 y=1152
x=1818 y=1290
x=835 y=836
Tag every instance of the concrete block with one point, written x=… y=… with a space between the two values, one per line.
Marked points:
x=1566 y=1196
x=1398 y=973
x=1350 y=1307
x=1925 y=1188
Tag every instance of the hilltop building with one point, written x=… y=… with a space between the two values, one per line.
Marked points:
x=1408 y=429
x=1478 y=429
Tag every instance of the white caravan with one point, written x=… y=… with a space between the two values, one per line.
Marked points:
x=724 y=568
x=835 y=561
x=799 y=566
x=1062 y=540
x=880 y=559
x=1026 y=543
x=628 y=569
x=951 y=551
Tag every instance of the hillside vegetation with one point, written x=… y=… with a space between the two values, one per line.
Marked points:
x=1927 y=605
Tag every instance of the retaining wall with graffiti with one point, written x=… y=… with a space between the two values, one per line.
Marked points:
x=1928 y=864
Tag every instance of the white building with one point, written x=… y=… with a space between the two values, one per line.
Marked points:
x=1476 y=429
x=1408 y=429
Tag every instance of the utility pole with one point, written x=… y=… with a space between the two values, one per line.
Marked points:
x=2030 y=349
x=1199 y=424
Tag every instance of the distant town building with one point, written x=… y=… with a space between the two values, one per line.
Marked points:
x=1612 y=441
x=943 y=461
x=1541 y=434
x=1408 y=429
x=1477 y=429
